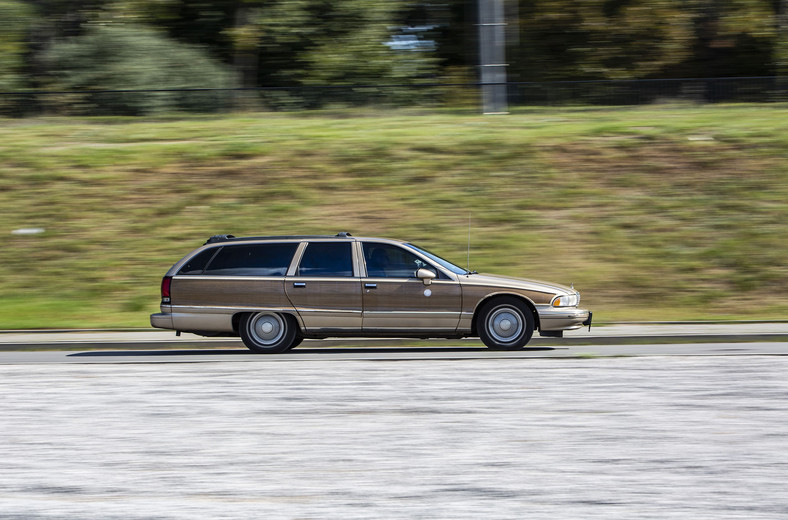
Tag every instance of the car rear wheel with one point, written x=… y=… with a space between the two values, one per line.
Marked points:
x=268 y=332
x=297 y=341
x=505 y=323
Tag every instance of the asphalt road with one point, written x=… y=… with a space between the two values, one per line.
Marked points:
x=454 y=434
x=306 y=353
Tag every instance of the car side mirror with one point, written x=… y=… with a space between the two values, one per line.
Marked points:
x=426 y=275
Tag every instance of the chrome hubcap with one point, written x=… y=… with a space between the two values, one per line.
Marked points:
x=505 y=324
x=267 y=329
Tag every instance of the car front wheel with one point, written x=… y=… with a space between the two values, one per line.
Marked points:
x=505 y=324
x=268 y=332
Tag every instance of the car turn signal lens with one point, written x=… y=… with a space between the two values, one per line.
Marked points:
x=566 y=300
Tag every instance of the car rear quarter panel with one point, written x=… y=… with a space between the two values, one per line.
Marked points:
x=212 y=300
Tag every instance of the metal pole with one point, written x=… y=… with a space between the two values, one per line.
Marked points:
x=492 y=52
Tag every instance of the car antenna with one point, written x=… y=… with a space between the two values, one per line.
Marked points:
x=469 y=244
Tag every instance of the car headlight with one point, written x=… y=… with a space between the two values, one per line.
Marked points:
x=566 y=300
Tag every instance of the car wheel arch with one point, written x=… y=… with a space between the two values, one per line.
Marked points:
x=236 y=320
x=481 y=303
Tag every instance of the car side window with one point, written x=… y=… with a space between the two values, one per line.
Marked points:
x=389 y=261
x=197 y=263
x=252 y=260
x=327 y=259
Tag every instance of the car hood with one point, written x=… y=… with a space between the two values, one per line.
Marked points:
x=515 y=283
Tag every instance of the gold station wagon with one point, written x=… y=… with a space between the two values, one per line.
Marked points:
x=276 y=291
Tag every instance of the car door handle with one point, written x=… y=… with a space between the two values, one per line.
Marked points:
x=299 y=284
x=370 y=286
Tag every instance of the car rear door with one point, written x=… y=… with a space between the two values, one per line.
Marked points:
x=325 y=287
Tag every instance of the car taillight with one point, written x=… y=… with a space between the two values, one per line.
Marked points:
x=165 y=289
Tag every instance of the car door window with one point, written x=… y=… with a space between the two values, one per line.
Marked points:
x=327 y=259
x=389 y=261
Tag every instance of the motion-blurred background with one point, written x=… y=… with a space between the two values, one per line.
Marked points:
x=644 y=157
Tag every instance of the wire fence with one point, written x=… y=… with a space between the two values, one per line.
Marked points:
x=465 y=96
x=767 y=89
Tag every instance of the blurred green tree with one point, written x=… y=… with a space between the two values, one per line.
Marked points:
x=293 y=43
x=730 y=38
x=627 y=39
x=337 y=43
x=310 y=44
x=198 y=22
x=599 y=39
x=349 y=48
x=121 y=57
x=15 y=22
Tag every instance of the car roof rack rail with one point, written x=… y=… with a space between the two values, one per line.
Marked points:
x=219 y=238
x=231 y=238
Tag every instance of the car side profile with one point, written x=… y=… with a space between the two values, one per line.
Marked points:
x=275 y=291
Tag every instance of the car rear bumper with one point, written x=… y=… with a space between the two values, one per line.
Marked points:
x=161 y=321
x=566 y=318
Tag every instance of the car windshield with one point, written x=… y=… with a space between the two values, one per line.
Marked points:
x=435 y=258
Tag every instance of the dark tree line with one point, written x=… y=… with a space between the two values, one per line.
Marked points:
x=137 y=44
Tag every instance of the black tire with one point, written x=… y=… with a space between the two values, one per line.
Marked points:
x=505 y=323
x=268 y=332
x=297 y=341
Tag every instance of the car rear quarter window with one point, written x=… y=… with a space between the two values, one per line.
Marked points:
x=197 y=263
x=252 y=260
x=327 y=259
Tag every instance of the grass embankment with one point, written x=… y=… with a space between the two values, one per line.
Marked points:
x=653 y=213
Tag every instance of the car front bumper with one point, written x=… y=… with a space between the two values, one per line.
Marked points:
x=562 y=318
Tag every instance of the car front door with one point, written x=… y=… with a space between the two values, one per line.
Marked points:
x=325 y=287
x=396 y=300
